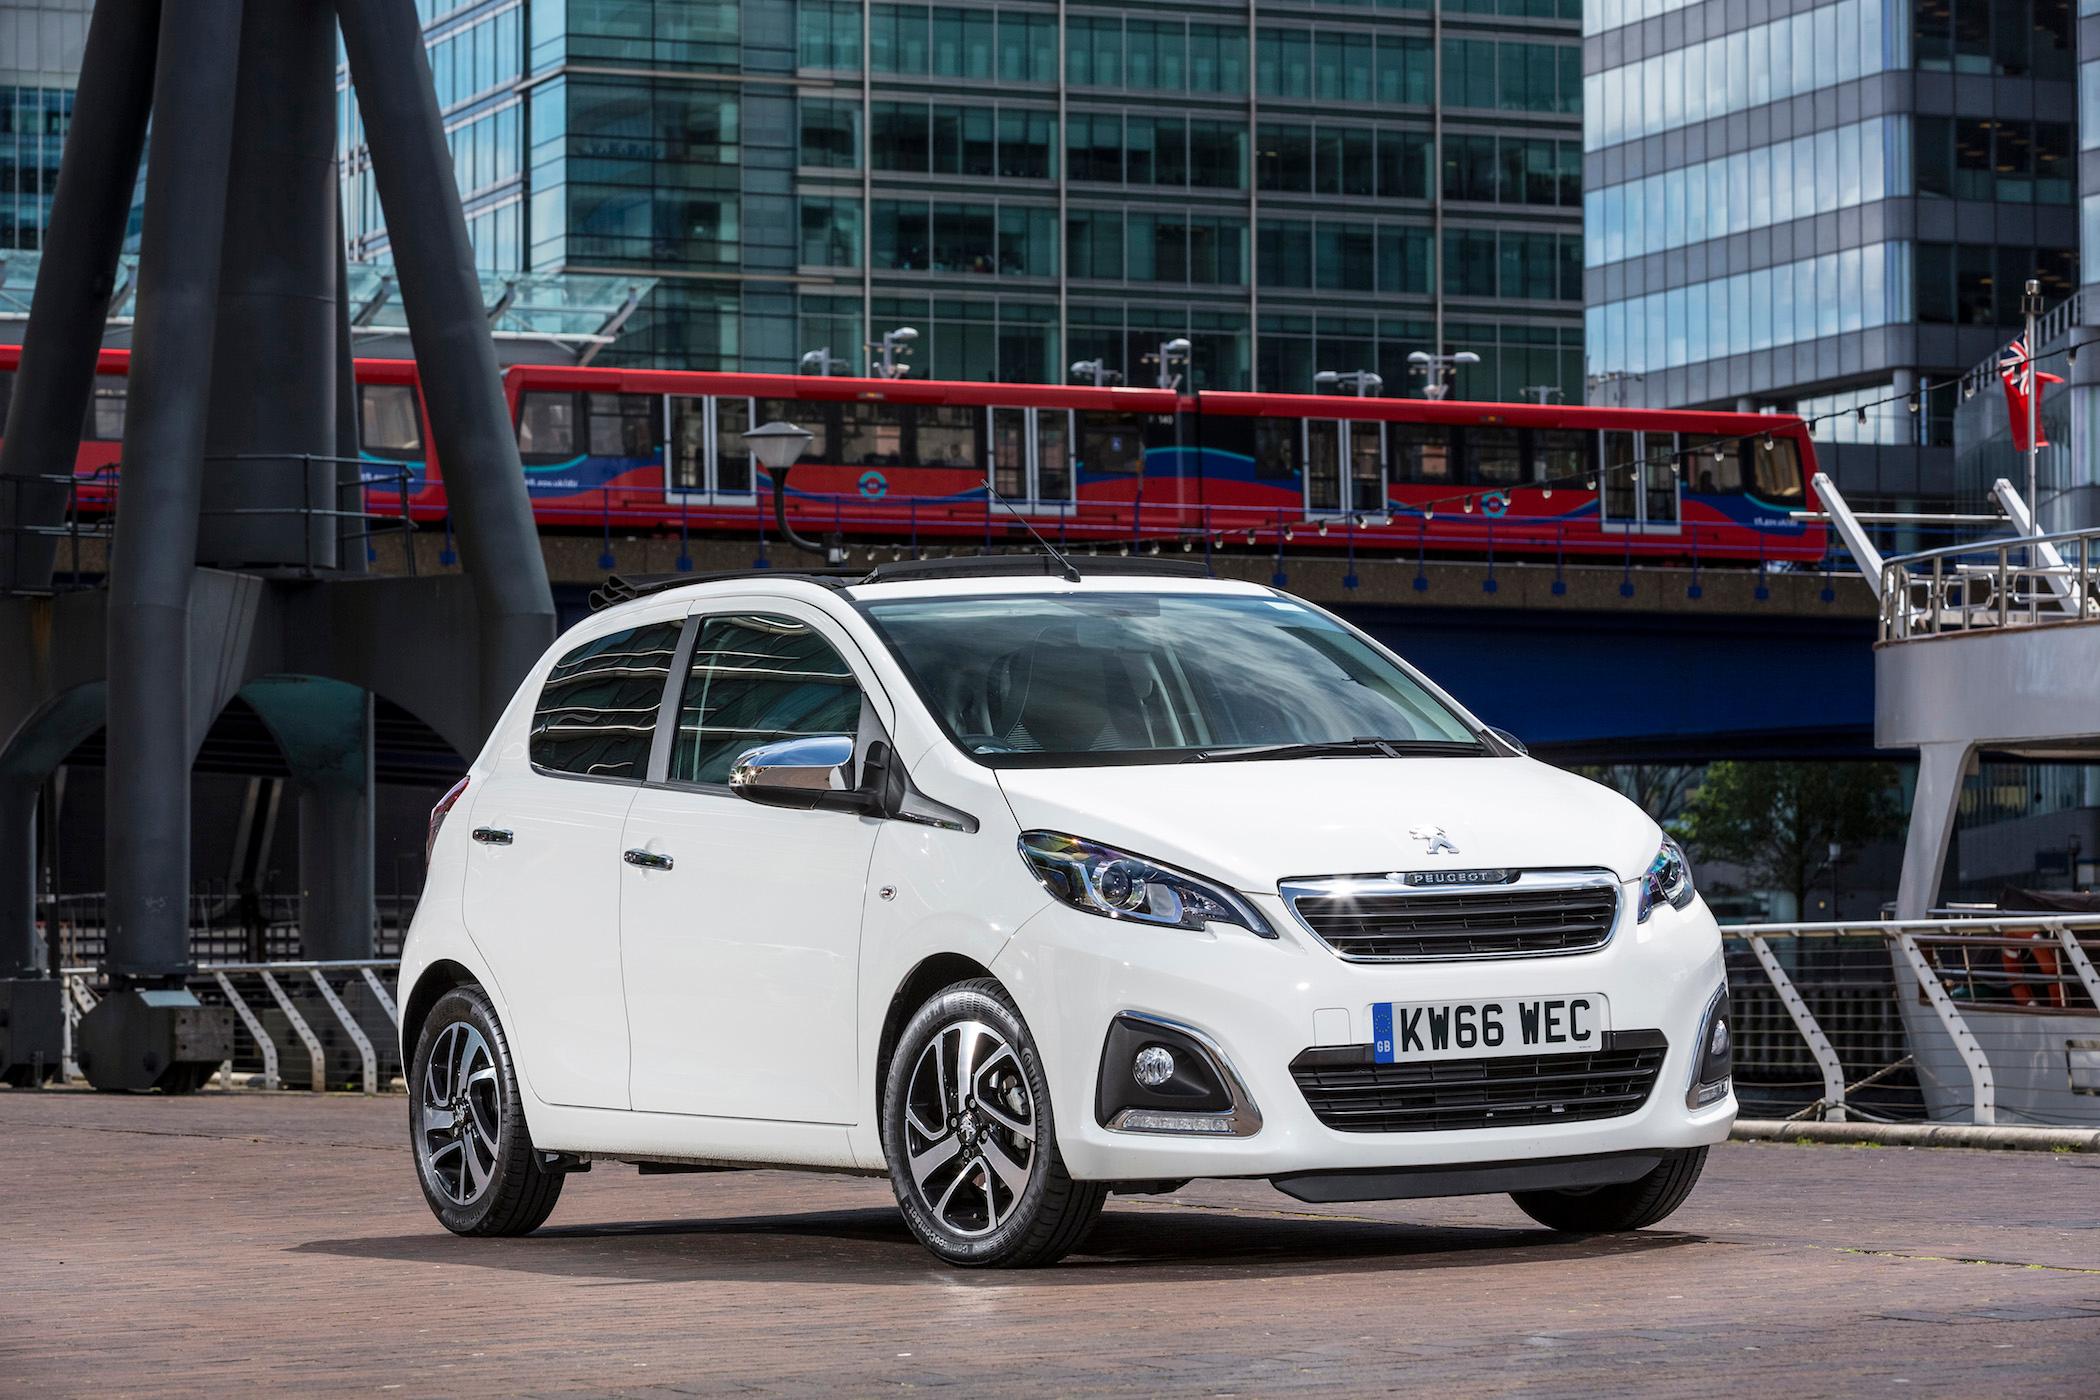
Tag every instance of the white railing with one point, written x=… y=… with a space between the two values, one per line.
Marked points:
x=1987 y=585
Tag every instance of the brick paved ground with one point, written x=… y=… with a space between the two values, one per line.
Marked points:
x=232 y=1244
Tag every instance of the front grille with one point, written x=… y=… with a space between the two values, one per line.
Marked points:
x=1352 y=1094
x=1412 y=926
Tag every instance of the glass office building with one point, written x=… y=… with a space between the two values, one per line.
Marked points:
x=1292 y=187
x=1817 y=206
x=40 y=43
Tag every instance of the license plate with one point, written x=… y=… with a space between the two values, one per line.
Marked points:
x=1465 y=1030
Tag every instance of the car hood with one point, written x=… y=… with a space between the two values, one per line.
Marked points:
x=1254 y=823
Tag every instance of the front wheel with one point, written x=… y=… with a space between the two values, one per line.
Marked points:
x=1631 y=1205
x=971 y=1146
x=474 y=1156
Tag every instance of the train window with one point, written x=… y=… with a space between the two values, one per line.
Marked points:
x=1559 y=455
x=1367 y=466
x=1111 y=444
x=1053 y=454
x=1497 y=456
x=1323 y=464
x=389 y=423
x=547 y=424
x=732 y=453
x=688 y=444
x=947 y=435
x=871 y=435
x=1276 y=448
x=624 y=425
x=811 y=417
x=1419 y=451
x=1621 y=477
x=105 y=415
x=1710 y=466
x=1010 y=452
x=1776 y=471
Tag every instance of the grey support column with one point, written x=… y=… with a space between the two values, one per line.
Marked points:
x=88 y=216
x=153 y=556
x=462 y=389
x=1941 y=768
x=20 y=955
x=269 y=481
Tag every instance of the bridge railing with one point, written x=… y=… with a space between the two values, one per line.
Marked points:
x=1989 y=585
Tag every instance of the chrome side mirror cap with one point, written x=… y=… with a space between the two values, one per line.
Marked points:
x=794 y=772
x=1515 y=744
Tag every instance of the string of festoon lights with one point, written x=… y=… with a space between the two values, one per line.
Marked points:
x=1489 y=501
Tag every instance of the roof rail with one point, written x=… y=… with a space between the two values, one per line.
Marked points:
x=624 y=588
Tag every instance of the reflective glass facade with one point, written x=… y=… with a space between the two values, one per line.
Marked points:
x=1801 y=205
x=1293 y=187
x=40 y=42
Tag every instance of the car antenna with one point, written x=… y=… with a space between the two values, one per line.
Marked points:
x=1071 y=573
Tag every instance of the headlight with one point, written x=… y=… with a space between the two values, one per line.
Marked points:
x=1118 y=885
x=1668 y=881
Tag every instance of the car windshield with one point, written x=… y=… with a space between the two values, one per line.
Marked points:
x=1064 y=679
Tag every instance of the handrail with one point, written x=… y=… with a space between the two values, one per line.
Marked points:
x=1991 y=542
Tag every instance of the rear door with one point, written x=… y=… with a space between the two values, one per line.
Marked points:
x=543 y=864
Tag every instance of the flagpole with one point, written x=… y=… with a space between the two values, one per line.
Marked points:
x=2031 y=305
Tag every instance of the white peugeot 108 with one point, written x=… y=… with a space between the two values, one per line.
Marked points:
x=1023 y=887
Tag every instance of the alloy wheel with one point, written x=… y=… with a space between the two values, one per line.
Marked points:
x=970 y=1129
x=461 y=1113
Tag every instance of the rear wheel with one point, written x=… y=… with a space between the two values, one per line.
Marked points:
x=971 y=1145
x=1632 y=1205
x=474 y=1155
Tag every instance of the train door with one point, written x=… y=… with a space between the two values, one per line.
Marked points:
x=1345 y=467
x=705 y=455
x=1031 y=456
x=1639 y=491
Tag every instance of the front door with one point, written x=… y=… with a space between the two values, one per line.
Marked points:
x=1344 y=467
x=740 y=923
x=1639 y=491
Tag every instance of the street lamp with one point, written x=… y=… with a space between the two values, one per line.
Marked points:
x=893 y=346
x=1170 y=353
x=1362 y=382
x=823 y=362
x=778 y=446
x=1541 y=393
x=1438 y=371
x=1096 y=371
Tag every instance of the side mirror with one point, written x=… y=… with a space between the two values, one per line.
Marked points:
x=795 y=772
x=1515 y=745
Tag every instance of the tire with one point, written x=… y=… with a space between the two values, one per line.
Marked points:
x=998 y=1195
x=474 y=1155
x=1632 y=1205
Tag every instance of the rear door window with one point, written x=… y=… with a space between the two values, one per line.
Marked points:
x=596 y=716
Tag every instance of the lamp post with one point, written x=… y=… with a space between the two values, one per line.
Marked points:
x=822 y=361
x=1438 y=371
x=1170 y=353
x=1361 y=382
x=886 y=352
x=1541 y=393
x=778 y=446
x=1096 y=372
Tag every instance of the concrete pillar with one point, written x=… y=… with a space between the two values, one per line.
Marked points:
x=336 y=864
x=1941 y=768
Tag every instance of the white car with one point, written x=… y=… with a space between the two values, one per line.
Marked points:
x=1024 y=884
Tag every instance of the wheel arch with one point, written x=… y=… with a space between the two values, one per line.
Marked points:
x=927 y=977
x=435 y=980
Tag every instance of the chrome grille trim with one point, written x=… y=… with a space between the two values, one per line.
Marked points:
x=1563 y=906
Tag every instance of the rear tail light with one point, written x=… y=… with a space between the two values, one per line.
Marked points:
x=437 y=816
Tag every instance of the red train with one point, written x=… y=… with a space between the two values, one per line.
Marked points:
x=642 y=451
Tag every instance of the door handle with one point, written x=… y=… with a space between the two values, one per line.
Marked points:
x=492 y=835
x=647 y=860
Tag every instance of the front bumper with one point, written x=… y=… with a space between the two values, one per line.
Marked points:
x=1262 y=1002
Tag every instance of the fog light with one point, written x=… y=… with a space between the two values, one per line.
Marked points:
x=1717 y=1043
x=1153 y=1066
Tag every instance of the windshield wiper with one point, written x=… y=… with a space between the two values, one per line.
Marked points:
x=1341 y=748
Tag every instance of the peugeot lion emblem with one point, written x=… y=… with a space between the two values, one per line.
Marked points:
x=1437 y=843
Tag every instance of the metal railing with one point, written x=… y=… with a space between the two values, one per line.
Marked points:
x=227 y=924
x=1988 y=585
x=1980 y=1020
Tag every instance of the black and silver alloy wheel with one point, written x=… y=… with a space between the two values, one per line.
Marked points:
x=480 y=1172
x=970 y=1128
x=968 y=1132
x=461 y=1111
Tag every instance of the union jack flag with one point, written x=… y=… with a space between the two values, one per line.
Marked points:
x=2022 y=380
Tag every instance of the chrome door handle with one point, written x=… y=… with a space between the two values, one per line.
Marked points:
x=647 y=860
x=492 y=835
